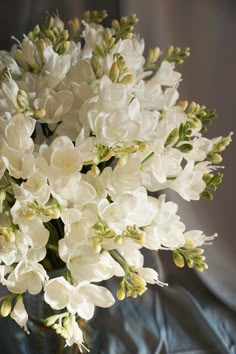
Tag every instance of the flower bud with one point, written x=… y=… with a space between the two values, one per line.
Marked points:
x=120 y=293
x=49 y=321
x=39 y=113
x=172 y=137
x=183 y=105
x=20 y=59
x=119 y=240
x=6 y=308
x=178 y=259
x=116 y=25
x=143 y=147
x=127 y=79
x=106 y=34
x=138 y=281
x=41 y=45
x=75 y=25
x=189 y=244
x=114 y=72
x=215 y=158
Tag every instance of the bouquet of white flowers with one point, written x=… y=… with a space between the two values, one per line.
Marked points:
x=89 y=126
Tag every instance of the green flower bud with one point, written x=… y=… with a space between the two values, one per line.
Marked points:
x=116 y=25
x=120 y=293
x=6 y=308
x=49 y=321
x=172 y=137
x=114 y=72
x=178 y=259
x=185 y=148
x=214 y=158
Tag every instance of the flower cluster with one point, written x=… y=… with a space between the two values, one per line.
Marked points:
x=88 y=127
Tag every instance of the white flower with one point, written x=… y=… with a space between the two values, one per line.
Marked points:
x=36 y=233
x=35 y=188
x=166 y=228
x=92 y=35
x=196 y=238
x=18 y=146
x=19 y=314
x=166 y=76
x=27 y=276
x=158 y=168
x=201 y=147
x=10 y=90
x=81 y=72
x=81 y=299
x=65 y=160
x=56 y=66
x=132 y=51
x=150 y=276
x=30 y=52
x=189 y=183
x=56 y=104
x=18 y=133
x=114 y=95
x=122 y=178
x=74 y=334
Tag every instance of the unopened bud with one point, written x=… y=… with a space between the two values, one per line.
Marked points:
x=39 y=113
x=192 y=107
x=75 y=25
x=106 y=34
x=153 y=55
x=5 y=308
x=95 y=170
x=114 y=72
x=169 y=51
x=224 y=143
x=120 y=293
x=199 y=267
x=127 y=79
x=189 y=262
x=54 y=213
x=143 y=147
x=51 y=35
x=22 y=99
x=116 y=25
x=129 y=35
x=119 y=240
x=198 y=251
x=138 y=281
x=215 y=158
x=10 y=236
x=20 y=59
x=189 y=244
x=172 y=137
x=183 y=105
x=41 y=45
x=178 y=259
x=48 y=322
x=195 y=123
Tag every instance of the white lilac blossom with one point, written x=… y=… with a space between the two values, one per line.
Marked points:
x=88 y=127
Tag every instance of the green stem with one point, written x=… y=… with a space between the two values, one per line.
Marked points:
x=8 y=297
x=118 y=257
x=147 y=157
